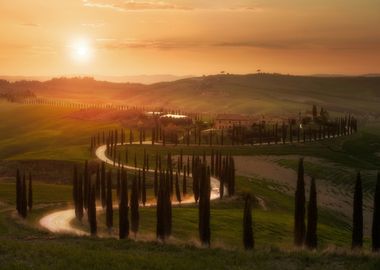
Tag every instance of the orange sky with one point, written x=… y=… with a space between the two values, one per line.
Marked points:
x=124 y=37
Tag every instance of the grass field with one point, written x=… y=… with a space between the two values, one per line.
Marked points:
x=44 y=133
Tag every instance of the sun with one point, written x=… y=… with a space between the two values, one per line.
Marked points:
x=81 y=50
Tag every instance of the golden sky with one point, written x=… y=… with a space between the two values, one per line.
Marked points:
x=183 y=37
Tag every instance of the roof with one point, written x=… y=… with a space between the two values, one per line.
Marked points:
x=232 y=117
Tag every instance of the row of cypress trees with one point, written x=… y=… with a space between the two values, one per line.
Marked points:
x=260 y=133
x=307 y=235
x=24 y=194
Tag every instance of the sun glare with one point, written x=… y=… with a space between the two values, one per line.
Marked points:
x=81 y=50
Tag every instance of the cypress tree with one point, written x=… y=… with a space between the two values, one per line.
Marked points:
x=248 y=239
x=376 y=217
x=299 y=214
x=184 y=182
x=30 y=193
x=24 y=200
x=160 y=210
x=204 y=206
x=196 y=183
x=357 y=226
x=109 y=207
x=92 y=209
x=155 y=183
x=118 y=181
x=123 y=208
x=143 y=192
x=97 y=183
x=135 y=217
x=177 y=189
x=79 y=208
x=75 y=187
x=312 y=217
x=86 y=184
x=167 y=209
x=18 y=191
x=103 y=187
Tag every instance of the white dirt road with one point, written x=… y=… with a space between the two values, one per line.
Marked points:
x=60 y=221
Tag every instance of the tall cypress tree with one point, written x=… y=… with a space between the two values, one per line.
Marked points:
x=143 y=191
x=109 y=207
x=103 y=187
x=92 y=209
x=204 y=206
x=18 y=191
x=299 y=214
x=123 y=207
x=24 y=200
x=167 y=209
x=86 y=184
x=155 y=183
x=160 y=210
x=184 y=183
x=248 y=239
x=376 y=217
x=118 y=183
x=135 y=217
x=79 y=208
x=177 y=189
x=30 y=193
x=75 y=187
x=312 y=217
x=357 y=218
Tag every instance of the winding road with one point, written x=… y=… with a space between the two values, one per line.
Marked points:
x=60 y=221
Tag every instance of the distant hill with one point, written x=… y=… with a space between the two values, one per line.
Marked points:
x=145 y=79
x=251 y=93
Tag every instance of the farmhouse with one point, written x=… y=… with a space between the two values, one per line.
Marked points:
x=225 y=121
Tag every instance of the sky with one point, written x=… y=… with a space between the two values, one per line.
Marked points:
x=188 y=37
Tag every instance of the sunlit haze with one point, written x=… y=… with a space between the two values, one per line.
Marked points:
x=182 y=37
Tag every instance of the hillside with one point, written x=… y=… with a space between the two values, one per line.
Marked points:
x=253 y=93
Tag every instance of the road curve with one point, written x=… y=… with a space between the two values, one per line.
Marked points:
x=60 y=221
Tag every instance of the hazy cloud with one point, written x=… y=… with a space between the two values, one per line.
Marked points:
x=30 y=24
x=108 y=43
x=131 y=5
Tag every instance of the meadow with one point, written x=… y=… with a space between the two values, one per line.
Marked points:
x=34 y=133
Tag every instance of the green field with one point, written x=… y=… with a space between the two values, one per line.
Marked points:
x=30 y=133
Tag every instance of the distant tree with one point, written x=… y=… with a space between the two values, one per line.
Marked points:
x=30 y=193
x=123 y=208
x=135 y=217
x=357 y=226
x=376 y=217
x=109 y=207
x=299 y=214
x=315 y=112
x=312 y=217
x=248 y=239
